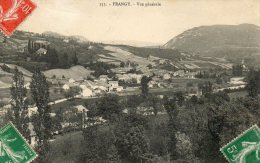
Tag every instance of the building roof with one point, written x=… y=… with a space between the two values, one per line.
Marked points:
x=81 y=108
x=41 y=51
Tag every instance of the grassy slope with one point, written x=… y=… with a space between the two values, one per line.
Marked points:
x=156 y=52
x=70 y=143
x=73 y=72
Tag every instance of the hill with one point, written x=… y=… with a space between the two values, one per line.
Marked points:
x=151 y=51
x=75 y=72
x=218 y=40
x=60 y=36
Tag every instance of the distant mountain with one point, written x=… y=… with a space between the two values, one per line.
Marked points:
x=60 y=36
x=218 y=40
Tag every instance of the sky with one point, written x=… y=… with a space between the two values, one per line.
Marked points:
x=140 y=25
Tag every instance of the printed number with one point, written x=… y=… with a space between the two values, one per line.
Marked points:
x=102 y=4
x=232 y=149
x=26 y=8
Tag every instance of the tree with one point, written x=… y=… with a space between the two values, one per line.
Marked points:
x=170 y=107
x=19 y=104
x=184 y=146
x=109 y=107
x=64 y=61
x=134 y=101
x=154 y=102
x=72 y=92
x=75 y=59
x=237 y=70
x=122 y=64
x=57 y=120
x=5 y=39
x=232 y=118
x=41 y=121
x=52 y=57
x=144 y=86
x=98 y=145
x=131 y=141
x=194 y=99
x=30 y=47
x=180 y=98
x=253 y=83
x=206 y=87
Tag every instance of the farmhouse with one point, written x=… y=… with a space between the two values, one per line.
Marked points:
x=103 y=78
x=86 y=92
x=67 y=86
x=167 y=76
x=113 y=86
x=41 y=51
x=179 y=73
x=81 y=109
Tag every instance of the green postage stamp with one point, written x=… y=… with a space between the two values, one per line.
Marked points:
x=13 y=147
x=245 y=148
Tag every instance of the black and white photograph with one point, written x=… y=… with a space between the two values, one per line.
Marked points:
x=133 y=81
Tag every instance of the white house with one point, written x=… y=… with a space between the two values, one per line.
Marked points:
x=86 y=92
x=67 y=86
x=71 y=80
x=27 y=85
x=41 y=51
x=179 y=73
x=113 y=83
x=113 y=86
x=103 y=78
x=81 y=109
x=167 y=76
x=32 y=110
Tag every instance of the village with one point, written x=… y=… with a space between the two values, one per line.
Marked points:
x=75 y=86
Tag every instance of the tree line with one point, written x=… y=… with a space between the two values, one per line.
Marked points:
x=19 y=113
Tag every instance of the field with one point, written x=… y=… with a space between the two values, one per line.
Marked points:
x=237 y=94
x=124 y=55
x=75 y=72
x=66 y=148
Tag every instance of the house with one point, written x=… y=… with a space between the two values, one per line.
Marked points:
x=137 y=77
x=41 y=51
x=153 y=84
x=27 y=85
x=86 y=92
x=101 y=85
x=191 y=75
x=143 y=109
x=193 y=91
x=81 y=109
x=113 y=86
x=67 y=86
x=71 y=80
x=167 y=76
x=66 y=40
x=32 y=111
x=103 y=78
x=4 y=109
x=179 y=73
x=237 y=80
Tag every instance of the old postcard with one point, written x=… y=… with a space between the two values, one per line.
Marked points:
x=130 y=81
